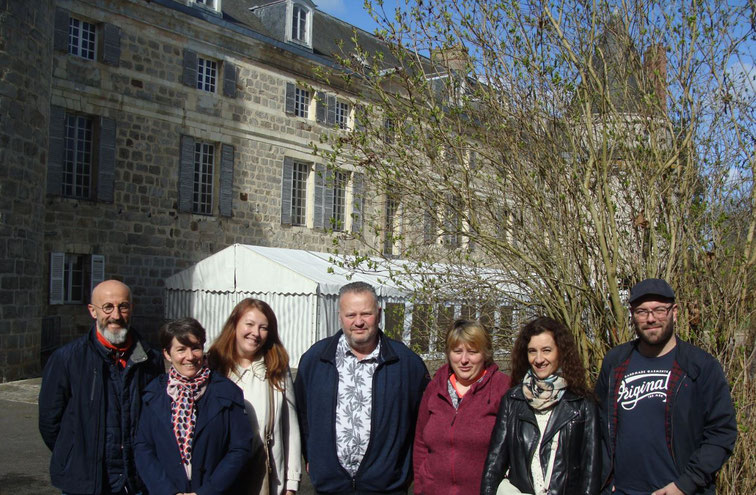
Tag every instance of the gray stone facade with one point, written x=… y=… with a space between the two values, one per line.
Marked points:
x=138 y=228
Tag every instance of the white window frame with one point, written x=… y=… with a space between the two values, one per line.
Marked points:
x=207 y=74
x=78 y=158
x=214 y=5
x=391 y=224
x=339 y=213
x=342 y=114
x=68 y=275
x=82 y=38
x=292 y=9
x=299 y=192
x=302 y=102
x=203 y=197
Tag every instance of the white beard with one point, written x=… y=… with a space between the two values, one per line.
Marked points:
x=116 y=338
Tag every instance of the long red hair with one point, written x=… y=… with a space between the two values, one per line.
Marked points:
x=222 y=355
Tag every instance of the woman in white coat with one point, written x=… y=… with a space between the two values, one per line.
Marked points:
x=250 y=353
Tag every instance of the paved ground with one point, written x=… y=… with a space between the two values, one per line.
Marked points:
x=24 y=458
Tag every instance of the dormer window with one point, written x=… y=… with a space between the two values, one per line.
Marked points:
x=213 y=5
x=299 y=22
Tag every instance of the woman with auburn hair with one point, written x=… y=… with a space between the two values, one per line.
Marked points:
x=250 y=353
x=547 y=423
x=457 y=414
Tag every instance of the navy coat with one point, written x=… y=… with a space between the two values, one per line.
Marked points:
x=221 y=446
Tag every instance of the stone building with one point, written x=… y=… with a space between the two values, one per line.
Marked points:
x=140 y=136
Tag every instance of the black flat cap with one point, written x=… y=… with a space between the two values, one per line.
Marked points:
x=651 y=287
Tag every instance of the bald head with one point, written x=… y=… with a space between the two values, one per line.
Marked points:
x=111 y=308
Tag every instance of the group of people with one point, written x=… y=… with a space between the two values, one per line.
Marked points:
x=364 y=417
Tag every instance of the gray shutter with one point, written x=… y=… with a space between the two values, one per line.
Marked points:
x=330 y=187
x=57 y=267
x=111 y=45
x=186 y=175
x=319 y=187
x=331 y=110
x=320 y=107
x=360 y=117
x=56 y=151
x=451 y=222
x=226 y=180
x=97 y=271
x=290 y=98
x=287 y=178
x=358 y=203
x=106 y=160
x=62 y=21
x=189 y=75
x=229 y=80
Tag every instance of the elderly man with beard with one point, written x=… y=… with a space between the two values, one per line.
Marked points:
x=90 y=399
x=667 y=419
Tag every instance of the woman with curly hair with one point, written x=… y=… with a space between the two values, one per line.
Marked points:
x=547 y=423
x=250 y=353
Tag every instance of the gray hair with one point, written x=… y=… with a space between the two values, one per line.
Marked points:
x=358 y=287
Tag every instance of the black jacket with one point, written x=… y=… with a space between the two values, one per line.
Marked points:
x=700 y=419
x=72 y=402
x=515 y=437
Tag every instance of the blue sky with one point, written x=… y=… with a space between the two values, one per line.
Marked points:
x=352 y=11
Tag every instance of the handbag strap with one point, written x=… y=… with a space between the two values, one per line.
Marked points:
x=271 y=413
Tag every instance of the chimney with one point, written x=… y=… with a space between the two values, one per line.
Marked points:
x=655 y=67
x=454 y=58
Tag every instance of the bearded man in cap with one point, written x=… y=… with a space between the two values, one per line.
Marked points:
x=667 y=420
x=90 y=399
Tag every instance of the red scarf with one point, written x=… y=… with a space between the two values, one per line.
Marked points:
x=117 y=352
x=453 y=380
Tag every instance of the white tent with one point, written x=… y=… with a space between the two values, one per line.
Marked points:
x=301 y=286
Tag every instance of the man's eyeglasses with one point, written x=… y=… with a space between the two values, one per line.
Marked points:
x=660 y=312
x=108 y=308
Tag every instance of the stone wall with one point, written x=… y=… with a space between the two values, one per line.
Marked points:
x=25 y=70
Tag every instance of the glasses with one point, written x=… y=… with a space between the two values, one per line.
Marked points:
x=660 y=312
x=108 y=308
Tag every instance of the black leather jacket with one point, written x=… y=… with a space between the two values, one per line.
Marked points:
x=577 y=468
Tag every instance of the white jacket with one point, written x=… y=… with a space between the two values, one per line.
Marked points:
x=286 y=448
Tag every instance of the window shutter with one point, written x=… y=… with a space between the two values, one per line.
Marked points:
x=189 y=76
x=328 y=193
x=319 y=187
x=331 y=110
x=320 y=109
x=357 y=202
x=229 y=80
x=62 y=21
x=226 y=180
x=360 y=117
x=290 y=98
x=97 y=270
x=106 y=160
x=111 y=45
x=286 y=182
x=57 y=267
x=56 y=151
x=186 y=175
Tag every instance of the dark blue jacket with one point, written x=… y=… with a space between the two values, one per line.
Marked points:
x=72 y=415
x=700 y=420
x=221 y=446
x=398 y=385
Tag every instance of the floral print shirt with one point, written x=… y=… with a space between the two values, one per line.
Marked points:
x=355 y=404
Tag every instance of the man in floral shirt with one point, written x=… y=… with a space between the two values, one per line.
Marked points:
x=358 y=393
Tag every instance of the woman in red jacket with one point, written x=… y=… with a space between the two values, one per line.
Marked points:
x=457 y=414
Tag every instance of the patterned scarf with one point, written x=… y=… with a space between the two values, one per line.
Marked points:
x=185 y=392
x=543 y=394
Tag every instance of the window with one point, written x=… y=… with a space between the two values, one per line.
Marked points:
x=299 y=24
x=338 y=216
x=211 y=4
x=72 y=276
x=206 y=176
x=81 y=159
x=389 y=226
x=204 y=170
x=301 y=102
x=299 y=193
x=389 y=130
x=207 y=73
x=342 y=114
x=77 y=163
x=81 y=38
